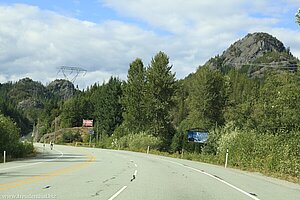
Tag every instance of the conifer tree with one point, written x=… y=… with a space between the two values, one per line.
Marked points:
x=133 y=99
x=160 y=91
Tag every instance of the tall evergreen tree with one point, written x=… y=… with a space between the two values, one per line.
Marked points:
x=180 y=110
x=107 y=106
x=160 y=92
x=206 y=99
x=241 y=93
x=71 y=116
x=133 y=99
x=277 y=108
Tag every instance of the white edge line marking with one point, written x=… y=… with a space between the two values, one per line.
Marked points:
x=135 y=172
x=222 y=181
x=117 y=193
x=135 y=165
x=49 y=160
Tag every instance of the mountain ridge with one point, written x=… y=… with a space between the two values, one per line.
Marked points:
x=253 y=53
x=29 y=98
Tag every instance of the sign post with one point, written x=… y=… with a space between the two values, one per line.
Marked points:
x=226 y=158
x=90 y=140
x=91 y=132
x=88 y=123
x=4 y=156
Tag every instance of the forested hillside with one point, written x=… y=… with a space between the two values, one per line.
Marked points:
x=27 y=106
x=247 y=99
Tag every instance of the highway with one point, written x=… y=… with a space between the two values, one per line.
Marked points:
x=69 y=173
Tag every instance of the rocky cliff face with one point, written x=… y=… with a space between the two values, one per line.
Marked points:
x=62 y=88
x=256 y=52
x=28 y=94
x=30 y=103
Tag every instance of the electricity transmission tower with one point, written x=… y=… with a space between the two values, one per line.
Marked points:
x=71 y=73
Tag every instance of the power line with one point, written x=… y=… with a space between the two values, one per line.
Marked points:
x=73 y=72
x=288 y=65
x=281 y=64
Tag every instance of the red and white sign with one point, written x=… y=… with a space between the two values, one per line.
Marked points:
x=87 y=123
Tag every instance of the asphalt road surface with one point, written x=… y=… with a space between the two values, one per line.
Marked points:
x=69 y=173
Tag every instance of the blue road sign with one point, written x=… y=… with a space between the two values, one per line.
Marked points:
x=197 y=136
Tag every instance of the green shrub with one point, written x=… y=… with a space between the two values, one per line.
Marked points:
x=137 y=142
x=22 y=149
x=9 y=134
x=277 y=154
x=69 y=137
x=9 y=140
x=105 y=141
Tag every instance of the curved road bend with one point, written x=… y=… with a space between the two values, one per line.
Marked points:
x=86 y=173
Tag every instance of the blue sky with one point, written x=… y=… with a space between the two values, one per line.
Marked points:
x=104 y=36
x=85 y=10
x=97 y=11
x=89 y=10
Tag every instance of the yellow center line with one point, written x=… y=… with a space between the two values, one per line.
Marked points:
x=51 y=174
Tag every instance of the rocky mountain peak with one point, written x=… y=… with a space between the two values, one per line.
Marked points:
x=62 y=88
x=253 y=48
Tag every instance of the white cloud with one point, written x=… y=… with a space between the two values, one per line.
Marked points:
x=206 y=28
x=37 y=41
x=178 y=16
x=34 y=42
